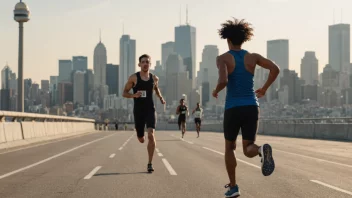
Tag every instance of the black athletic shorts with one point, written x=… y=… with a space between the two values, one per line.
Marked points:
x=181 y=118
x=244 y=118
x=198 y=121
x=144 y=118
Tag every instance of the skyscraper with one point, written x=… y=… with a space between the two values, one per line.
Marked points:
x=6 y=77
x=112 y=76
x=100 y=61
x=177 y=81
x=45 y=85
x=78 y=87
x=278 y=52
x=80 y=63
x=309 y=69
x=166 y=49
x=339 y=46
x=65 y=69
x=127 y=60
x=88 y=86
x=185 y=46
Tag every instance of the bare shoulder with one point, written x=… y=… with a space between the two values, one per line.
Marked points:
x=255 y=56
x=224 y=57
x=133 y=78
x=155 y=77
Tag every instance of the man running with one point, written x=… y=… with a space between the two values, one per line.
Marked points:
x=197 y=112
x=143 y=84
x=236 y=72
x=182 y=111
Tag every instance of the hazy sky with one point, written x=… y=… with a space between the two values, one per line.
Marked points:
x=65 y=28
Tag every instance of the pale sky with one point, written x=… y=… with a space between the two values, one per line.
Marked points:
x=65 y=28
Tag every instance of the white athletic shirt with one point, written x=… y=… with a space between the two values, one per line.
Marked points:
x=198 y=113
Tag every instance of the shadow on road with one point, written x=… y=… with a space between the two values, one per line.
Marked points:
x=110 y=174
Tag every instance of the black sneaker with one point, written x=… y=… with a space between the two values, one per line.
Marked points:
x=268 y=164
x=150 y=168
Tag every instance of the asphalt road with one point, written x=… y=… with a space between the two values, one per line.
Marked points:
x=113 y=164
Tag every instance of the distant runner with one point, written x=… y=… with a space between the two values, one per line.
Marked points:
x=182 y=111
x=236 y=72
x=197 y=112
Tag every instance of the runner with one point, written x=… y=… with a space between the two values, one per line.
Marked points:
x=143 y=84
x=236 y=72
x=197 y=117
x=182 y=111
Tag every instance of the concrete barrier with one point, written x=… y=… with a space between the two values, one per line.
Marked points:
x=327 y=129
x=300 y=128
x=27 y=128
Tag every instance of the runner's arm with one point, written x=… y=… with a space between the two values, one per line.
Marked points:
x=221 y=64
x=156 y=87
x=128 y=86
x=268 y=64
x=178 y=110
x=193 y=111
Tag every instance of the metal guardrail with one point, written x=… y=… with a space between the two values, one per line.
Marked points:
x=33 y=117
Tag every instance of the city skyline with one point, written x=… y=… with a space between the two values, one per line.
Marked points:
x=82 y=42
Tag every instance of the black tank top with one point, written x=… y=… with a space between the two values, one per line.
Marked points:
x=147 y=87
x=183 y=111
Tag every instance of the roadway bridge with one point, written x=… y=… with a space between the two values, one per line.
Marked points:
x=67 y=157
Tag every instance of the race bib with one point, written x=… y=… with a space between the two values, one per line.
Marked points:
x=197 y=114
x=183 y=112
x=144 y=94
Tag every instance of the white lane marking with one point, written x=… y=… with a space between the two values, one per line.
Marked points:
x=182 y=139
x=160 y=154
x=186 y=141
x=332 y=187
x=124 y=144
x=168 y=167
x=214 y=151
x=112 y=155
x=90 y=175
x=52 y=157
x=157 y=150
x=255 y=166
x=322 y=160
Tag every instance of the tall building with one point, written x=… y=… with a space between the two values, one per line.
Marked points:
x=54 y=80
x=112 y=76
x=8 y=89
x=6 y=74
x=45 y=85
x=65 y=90
x=185 y=46
x=294 y=84
x=127 y=60
x=166 y=49
x=88 y=86
x=278 y=52
x=339 y=46
x=78 y=87
x=208 y=73
x=177 y=81
x=80 y=63
x=65 y=70
x=100 y=61
x=309 y=69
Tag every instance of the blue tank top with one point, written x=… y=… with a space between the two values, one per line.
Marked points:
x=240 y=86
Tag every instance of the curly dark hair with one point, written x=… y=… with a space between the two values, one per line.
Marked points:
x=237 y=31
